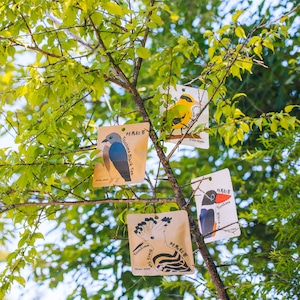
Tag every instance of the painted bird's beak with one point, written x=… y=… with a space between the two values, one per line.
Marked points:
x=220 y=198
x=104 y=141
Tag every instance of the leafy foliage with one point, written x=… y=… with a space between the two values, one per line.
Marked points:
x=68 y=68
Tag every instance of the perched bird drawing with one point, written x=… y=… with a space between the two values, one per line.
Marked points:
x=117 y=154
x=207 y=215
x=152 y=231
x=183 y=112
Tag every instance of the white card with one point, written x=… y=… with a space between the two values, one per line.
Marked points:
x=185 y=105
x=216 y=207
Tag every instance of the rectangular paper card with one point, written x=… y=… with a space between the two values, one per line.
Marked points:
x=216 y=206
x=124 y=152
x=186 y=105
x=160 y=244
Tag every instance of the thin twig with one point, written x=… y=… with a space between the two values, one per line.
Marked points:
x=138 y=62
x=4 y=208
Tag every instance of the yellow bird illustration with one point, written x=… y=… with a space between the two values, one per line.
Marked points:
x=183 y=111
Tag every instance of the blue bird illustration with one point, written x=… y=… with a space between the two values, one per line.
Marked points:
x=117 y=155
x=207 y=214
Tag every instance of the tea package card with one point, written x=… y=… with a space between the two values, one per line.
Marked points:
x=123 y=150
x=187 y=106
x=160 y=244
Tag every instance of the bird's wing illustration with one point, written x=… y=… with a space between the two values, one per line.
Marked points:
x=118 y=156
x=167 y=262
x=207 y=221
x=117 y=152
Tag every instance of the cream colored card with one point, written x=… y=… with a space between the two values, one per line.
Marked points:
x=185 y=108
x=216 y=206
x=124 y=152
x=160 y=244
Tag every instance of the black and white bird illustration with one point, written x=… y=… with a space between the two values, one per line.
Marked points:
x=207 y=215
x=117 y=154
x=168 y=260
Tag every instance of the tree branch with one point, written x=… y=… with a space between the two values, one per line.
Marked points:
x=180 y=200
x=68 y=32
x=5 y=208
x=139 y=61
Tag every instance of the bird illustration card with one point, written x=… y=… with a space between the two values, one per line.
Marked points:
x=160 y=244
x=187 y=113
x=123 y=150
x=216 y=207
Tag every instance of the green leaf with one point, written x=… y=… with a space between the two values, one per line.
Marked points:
x=143 y=52
x=239 y=32
x=247 y=64
x=258 y=122
x=238 y=113
x=273 y=126
x=151 y=25
x=269 y=45
x=240 y=135
x=97 y=18
x=236 y=71
x=94 y=153
x=236 y=15
x=166 y=207
x=22 y=241
x=113 y=8
x=254 y=40
x=245 y=127
x=20 y=280
x=258 y=50
x=239 y=95
x=289 y=108
x=207 y=33
x=38 y=235
x=211 y=52
x=284 y=124
x=156 y=19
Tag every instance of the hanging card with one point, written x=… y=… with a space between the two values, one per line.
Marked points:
x=124 y=151
x=160 y=244
x=186 y=104
x=216 y=206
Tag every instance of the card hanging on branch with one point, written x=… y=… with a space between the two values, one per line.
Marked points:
x=123 y=150
x=186 y=107
x=216 y=206
x=160 y=244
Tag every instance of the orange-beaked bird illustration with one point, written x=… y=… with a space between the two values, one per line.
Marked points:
x=208 y=214
x=183 y=112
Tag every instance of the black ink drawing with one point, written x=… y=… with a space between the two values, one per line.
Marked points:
x=167 y=257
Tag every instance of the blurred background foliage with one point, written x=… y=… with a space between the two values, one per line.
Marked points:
x=89 y=248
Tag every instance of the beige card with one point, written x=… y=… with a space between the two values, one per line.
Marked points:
x=160 y=244
x=124 y=153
